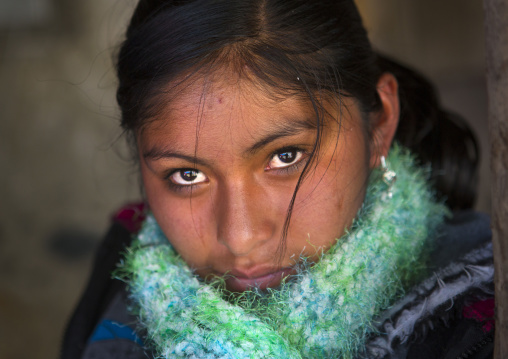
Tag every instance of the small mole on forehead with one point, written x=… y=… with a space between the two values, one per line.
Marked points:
x=219 y=99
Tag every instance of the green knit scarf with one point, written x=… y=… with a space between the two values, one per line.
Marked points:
x=323 y=312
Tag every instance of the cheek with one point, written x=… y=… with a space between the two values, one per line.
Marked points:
x=319 y=218
x=331 y=196
x=181 y=218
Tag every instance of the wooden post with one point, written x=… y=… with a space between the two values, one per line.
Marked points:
x=496 y=39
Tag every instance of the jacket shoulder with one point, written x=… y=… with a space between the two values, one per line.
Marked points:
x=450 y=314
x=102 y=291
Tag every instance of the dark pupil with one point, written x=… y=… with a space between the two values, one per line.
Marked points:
x=189 y=175
x=288 y=156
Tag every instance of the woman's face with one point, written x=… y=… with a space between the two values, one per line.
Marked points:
x=220 y=164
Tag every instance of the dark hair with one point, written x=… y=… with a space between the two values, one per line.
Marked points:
x=308 y=48
x=293 y=46
x=440 y=138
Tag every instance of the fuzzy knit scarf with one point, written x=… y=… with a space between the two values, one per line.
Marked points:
x=323 y=312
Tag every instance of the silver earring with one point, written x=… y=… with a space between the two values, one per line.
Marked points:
x=389 y=177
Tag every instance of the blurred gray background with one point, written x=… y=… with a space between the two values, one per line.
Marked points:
x=64 y=167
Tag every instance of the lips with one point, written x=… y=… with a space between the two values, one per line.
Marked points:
x=238 y=281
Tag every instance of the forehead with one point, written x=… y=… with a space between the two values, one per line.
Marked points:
x=225 y=102
x=224 y=111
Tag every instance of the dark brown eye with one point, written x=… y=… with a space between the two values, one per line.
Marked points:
x=288 y=156
x=285 y=158
x=187 y=176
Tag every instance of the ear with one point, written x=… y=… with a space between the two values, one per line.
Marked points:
x=383 y=123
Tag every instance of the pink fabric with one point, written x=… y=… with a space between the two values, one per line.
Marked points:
x=131 y=216
x=481 y=311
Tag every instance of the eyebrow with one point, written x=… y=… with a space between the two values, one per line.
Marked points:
x=285 y=129
x=157 y=154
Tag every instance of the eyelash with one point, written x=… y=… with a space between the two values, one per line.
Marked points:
x=287 y=170
x=292 y=167
x=179 y=187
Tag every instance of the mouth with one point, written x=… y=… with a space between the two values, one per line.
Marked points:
x=237 y=281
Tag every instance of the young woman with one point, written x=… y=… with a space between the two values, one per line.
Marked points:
x=284 y=217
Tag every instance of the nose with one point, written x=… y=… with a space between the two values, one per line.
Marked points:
x=244 y=218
